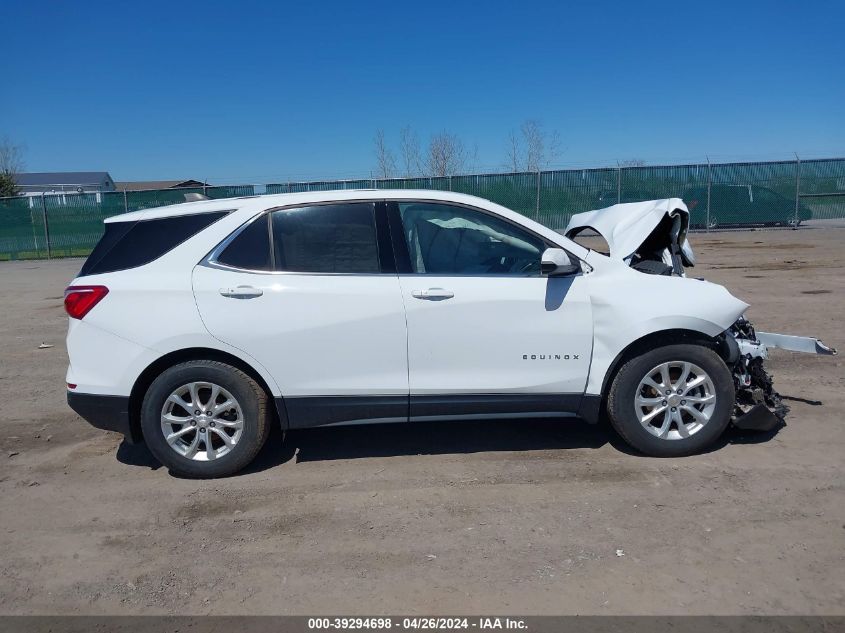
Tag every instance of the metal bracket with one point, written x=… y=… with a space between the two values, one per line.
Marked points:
x=754 y=349
x=806 y=344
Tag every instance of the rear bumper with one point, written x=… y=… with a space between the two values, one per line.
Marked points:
x=110 y=413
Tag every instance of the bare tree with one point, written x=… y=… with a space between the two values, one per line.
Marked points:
x=533 y=148
x=471 y=162
x=410 y=146
x=11 y=157
x=447 y=155
x=11 y=164
x=541 y=148
x=514 y=153
x=384 y=157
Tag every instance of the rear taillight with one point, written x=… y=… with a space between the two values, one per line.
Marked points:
x=80 y=299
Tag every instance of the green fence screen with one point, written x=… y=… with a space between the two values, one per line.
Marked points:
x=719 y=196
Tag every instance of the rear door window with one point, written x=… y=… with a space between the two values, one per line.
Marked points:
x=126 y=245
x=327 y=238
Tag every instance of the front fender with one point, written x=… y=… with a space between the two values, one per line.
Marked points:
x=628 y=305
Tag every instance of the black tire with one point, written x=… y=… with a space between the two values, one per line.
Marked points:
x=249 y=395
x=622 y=411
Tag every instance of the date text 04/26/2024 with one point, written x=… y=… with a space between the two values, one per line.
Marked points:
x=417 y=623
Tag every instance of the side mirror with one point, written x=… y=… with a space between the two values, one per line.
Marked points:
x=555 y=262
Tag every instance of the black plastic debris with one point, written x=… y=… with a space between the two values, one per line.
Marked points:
x=758 y=418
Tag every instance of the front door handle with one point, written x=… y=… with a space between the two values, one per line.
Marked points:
x=433 y=294
x=241 y=292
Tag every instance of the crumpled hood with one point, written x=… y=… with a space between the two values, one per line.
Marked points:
x=626 y=226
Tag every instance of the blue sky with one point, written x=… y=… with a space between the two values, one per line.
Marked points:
x=257 y=92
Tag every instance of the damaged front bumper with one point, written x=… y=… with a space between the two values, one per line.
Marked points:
x=806 y=344
x=758 y=406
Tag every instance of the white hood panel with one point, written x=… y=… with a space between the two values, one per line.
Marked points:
x=626 y=226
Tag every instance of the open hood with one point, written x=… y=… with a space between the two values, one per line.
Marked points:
x=627 y=227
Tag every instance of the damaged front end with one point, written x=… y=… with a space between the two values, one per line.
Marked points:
x=651 y=237
x=758 y=406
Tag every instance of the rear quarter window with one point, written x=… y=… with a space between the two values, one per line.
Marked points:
x=250 y=249
x=126 y=245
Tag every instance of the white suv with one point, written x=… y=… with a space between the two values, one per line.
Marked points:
x=195 y=327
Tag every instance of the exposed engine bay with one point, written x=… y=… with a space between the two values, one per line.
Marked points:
x=651 y=237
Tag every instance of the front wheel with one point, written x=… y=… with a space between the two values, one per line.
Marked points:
x=672 y=401
x=205 y=419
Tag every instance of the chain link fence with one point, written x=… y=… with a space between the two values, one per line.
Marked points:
x=719 y=196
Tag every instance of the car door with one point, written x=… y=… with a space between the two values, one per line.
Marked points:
x=488 y=335
x=309 y=293
x=771 y=208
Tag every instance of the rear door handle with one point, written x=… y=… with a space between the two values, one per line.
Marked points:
x=241 y=292
x=433 y=294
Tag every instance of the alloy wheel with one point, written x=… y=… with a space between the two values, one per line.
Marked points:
x=675 y=400
x=202 y=421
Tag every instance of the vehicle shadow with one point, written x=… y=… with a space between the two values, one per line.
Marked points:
x=136 y=455
x=556 y=290
x=732 y=435
x=812 y=403
x=456 y=437
x=447 y=437
x=274 y=453
x=741 y=436
x=434 y=438
x=394 y=440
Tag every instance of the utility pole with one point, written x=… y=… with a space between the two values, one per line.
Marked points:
x=797 y=189
x=709 y=184
x=618 y=183
x=46 y=225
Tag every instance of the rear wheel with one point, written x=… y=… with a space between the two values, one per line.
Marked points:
x=671 y=401
x=205 y=419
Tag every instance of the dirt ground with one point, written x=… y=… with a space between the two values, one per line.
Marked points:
x=522 y=517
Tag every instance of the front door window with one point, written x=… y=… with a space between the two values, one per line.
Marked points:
x=451 y=240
